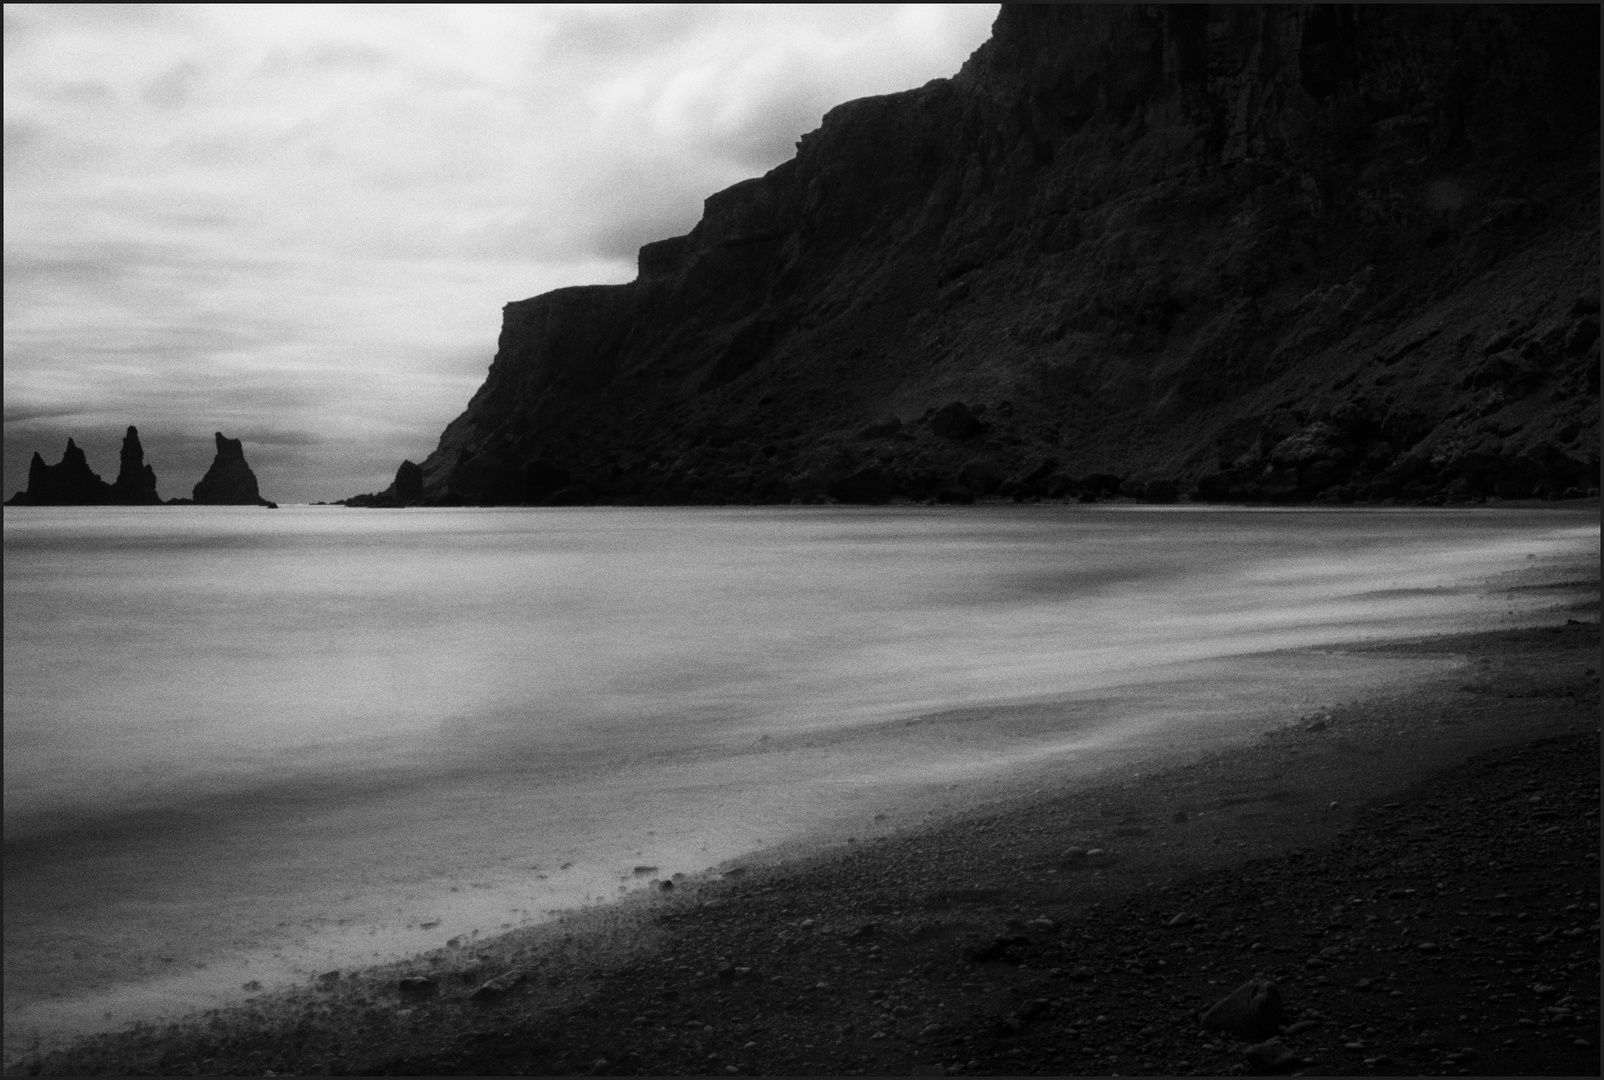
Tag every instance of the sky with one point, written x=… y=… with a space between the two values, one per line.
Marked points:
x=297 y=224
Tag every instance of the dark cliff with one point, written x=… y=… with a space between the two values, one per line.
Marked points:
x=229 y=481
x=1239 y=252
x=71 y=482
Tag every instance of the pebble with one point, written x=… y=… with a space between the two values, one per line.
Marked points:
x=1184 y=918
x=417 y=984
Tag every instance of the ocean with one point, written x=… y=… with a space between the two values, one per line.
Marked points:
x=247 y=746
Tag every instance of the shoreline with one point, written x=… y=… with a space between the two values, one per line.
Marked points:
x=930 y=897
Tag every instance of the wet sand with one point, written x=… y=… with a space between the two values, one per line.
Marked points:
x=1327 y=855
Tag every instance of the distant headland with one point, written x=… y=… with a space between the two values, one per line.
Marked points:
x=71 y=482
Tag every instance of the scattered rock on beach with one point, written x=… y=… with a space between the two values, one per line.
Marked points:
x=498 y=986
x=1272 y=1055
x=1252 y=1011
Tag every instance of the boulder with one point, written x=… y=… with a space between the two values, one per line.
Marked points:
x=1100 y=484
x=866 y=486
x=499 y=986
x=1271 y=1056
x=881 y=429
x=1159 y=492
x=1252 y=1011
x=229 y=482
x=955 y=422
x=1318 y=441
x=981 y=476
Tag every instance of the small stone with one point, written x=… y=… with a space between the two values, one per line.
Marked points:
x=252 y=986
x=1184 y=918
x=329 y=977
x=1082 y=973
x=1542 y=990
x=1095 y=853
x=1179 y=817
x=1581 y=1043
x=1300 y=1026
x=667 y=886
x=417 y=984
x=1075 y=854
x=1427 y=947
x=1318 y=725
x=644 y=871
x=806 y=924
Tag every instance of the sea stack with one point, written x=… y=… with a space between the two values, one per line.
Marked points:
x=136 y=481
x=229 y=482
x=70 y=482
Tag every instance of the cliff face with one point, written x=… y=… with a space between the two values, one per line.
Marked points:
x=1282 y=253
x=229 y=481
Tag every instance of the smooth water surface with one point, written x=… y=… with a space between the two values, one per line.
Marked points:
x=247 y=741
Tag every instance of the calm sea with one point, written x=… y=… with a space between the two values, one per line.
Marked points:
x=247 y=744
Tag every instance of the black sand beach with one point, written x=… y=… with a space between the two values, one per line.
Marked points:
x=1417 y=874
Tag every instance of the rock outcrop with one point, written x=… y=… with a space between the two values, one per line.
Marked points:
x=1281 y=253
x=229 y=481
x=136 y=481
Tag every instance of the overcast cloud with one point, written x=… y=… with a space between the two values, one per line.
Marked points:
x=297 y=225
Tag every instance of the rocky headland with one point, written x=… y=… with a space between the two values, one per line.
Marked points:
x=1226 y=253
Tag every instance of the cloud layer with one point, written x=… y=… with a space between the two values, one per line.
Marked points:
x=297 y=224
